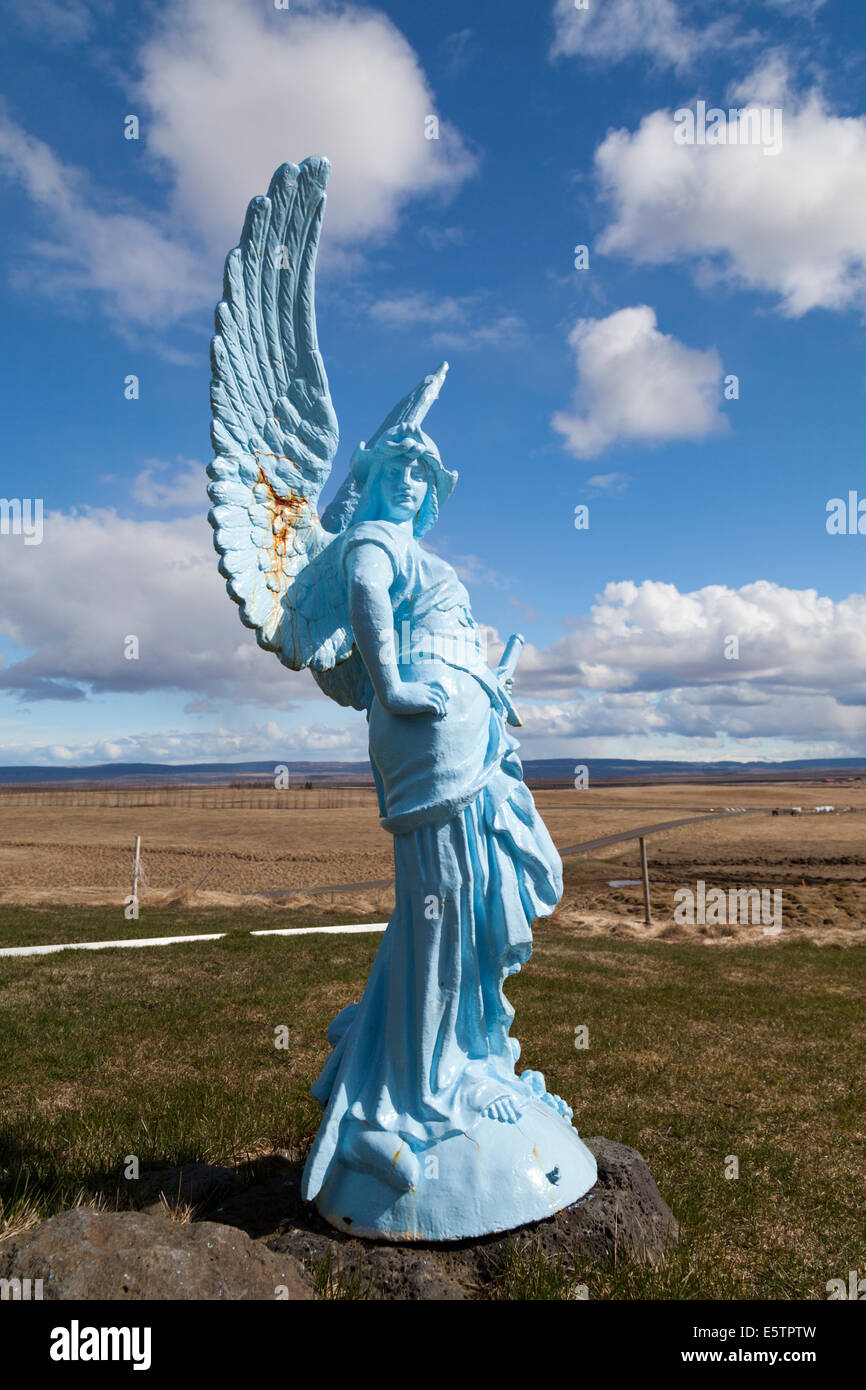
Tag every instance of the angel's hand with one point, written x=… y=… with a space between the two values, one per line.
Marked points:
x=417 y=697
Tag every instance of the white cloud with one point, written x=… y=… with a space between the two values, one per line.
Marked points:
x=609 y=482
x=792 y=225
x=201 y=706
x=648 y=671
x=457 y=51
x=636 y=384
x=651 y=637
x=528 y=614
x=457 y=320
x=439 y=238
x=322 y=740
x=228 y=90
x=610 y=32
x=97 y=578
x=472 y=570
x=675 y=726
x=669 y=33
x=418 y=308
x=234 y=88
x=805 y=7
x=142 y=274
x=58 y=21
x=183 y=485
x=501 y=333
x=302 y=743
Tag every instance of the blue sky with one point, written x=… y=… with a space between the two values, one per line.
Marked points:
x=601 y=386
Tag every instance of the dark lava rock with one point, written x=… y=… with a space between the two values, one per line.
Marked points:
x=195 y=1184
x=625 y=1208
x=87 y=1254
x=361 y=1268
x=624 y=1212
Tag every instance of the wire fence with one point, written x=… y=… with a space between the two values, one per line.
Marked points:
x=238 y=796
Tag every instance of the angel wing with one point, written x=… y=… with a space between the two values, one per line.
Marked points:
x=274 y=430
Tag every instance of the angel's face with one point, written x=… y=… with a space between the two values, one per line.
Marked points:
x=403 y=485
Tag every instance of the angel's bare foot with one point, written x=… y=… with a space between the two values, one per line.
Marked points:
x=491 y=1099
x=504 y=1109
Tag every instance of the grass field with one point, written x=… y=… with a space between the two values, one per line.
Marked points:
x=695 y=1056
x=42 y=926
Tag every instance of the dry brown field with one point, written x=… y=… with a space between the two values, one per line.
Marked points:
x=254 y=845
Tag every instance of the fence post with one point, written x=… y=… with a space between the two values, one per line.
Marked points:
x=136 y=869
x=644 y=873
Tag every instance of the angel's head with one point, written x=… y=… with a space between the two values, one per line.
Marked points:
x=401 y=478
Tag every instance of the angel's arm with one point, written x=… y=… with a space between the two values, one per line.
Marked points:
x=370 y=576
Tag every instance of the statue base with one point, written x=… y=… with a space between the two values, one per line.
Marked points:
x=493 y=1178
x=623 y=1217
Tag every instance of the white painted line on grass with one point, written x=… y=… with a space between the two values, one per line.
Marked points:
x=171 y=940
x=104 y=945
x=307 y=931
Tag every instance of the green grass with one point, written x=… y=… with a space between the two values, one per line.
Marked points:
x=44 y=926
x=695 y=1054
x=531 y=1276
x=340 y=1284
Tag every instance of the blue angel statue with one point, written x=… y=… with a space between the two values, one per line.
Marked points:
x=428 y=1132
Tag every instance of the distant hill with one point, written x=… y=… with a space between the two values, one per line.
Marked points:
x=647 y=770
x=190 y=772
x=548 y=770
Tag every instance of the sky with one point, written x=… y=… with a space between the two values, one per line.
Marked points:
x=694 y=377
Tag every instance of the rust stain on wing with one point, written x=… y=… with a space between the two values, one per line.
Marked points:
x=288 y=514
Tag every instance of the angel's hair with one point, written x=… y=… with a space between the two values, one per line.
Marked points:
x=401 y=443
